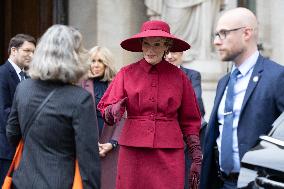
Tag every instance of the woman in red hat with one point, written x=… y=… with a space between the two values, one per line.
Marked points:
x=161 y=110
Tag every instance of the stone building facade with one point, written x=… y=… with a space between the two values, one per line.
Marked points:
x=108 y=22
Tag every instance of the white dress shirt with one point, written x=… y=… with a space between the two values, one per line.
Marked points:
x=16 y=67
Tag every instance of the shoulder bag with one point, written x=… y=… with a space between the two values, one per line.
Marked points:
x=77 y=184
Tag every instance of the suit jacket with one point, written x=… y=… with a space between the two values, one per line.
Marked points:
x=65 y=130
x=263 y=103
x=195 y=78
x=8 y=83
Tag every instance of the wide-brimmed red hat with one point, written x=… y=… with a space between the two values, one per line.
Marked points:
x=154 y=28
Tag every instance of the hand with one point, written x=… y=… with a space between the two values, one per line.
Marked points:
x=116 y=109
x=193 y=143
x=108 y=117
x=104 y=149
x=194 y=175
x=113 y=113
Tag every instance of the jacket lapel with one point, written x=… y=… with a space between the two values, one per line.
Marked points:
x=213 y=118
x=13 y=73
x=212 y=131
x=254 y=80
x=89 y=86
x=220 y=91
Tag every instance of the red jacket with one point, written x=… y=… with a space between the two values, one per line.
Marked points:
x=161 y=105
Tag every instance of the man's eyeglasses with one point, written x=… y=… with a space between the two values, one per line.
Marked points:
x=222 y=34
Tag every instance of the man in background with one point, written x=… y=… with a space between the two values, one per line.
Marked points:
x=21 y=49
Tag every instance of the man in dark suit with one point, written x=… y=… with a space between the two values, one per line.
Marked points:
x=21 y=48
x=253 y=90
x=176 y=58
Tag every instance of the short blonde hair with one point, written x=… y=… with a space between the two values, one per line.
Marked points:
x=59 y=56
x=107 y=59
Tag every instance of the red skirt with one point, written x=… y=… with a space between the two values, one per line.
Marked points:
x=150 y=168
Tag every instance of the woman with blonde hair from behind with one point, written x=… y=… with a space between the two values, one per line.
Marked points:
x=101 y=73
x=65 y=129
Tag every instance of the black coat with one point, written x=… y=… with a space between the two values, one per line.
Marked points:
x=8 y=83
x=195 y=78
x=66 y=129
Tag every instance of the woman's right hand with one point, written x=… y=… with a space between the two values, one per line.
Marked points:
x=113 y=113
x=104 y=148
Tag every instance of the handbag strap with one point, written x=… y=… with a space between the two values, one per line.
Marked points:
x=36 y=113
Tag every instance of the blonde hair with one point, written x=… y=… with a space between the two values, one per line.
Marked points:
x=59 y=56
x=107 y=59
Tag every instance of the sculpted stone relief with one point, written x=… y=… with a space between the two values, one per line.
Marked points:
x=191 y=20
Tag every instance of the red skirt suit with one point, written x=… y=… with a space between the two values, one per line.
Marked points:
x=161 y=108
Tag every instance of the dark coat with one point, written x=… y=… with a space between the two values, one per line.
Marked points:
x=195 y=78
x=263 y=103
x=8 y=83
x=65 y=130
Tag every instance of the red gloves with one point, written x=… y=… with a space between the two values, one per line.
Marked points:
x=196 y=156
x=114 y=112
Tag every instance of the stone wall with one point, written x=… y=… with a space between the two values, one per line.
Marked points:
x=82 y=15
x=271 y=29
x=107 y=23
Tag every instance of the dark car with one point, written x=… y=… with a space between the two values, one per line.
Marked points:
x=263 y=166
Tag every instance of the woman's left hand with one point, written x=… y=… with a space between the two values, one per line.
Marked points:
x=104 y=149
x=193 y=143
x=194 y=176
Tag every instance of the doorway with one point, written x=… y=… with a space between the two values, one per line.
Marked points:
x=31 y=17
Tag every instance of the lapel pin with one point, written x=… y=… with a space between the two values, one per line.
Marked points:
x=255 y=79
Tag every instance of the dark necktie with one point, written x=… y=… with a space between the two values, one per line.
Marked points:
x=22 y=74
x=227 y=162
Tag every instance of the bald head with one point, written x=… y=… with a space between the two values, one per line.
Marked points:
x=236 y=35
x=240 y=17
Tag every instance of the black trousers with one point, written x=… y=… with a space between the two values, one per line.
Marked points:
x=4 y=167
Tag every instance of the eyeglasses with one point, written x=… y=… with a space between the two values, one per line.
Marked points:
x=222 y=34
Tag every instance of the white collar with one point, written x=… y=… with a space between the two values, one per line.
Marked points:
x=248 y=64
x=15 y=66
